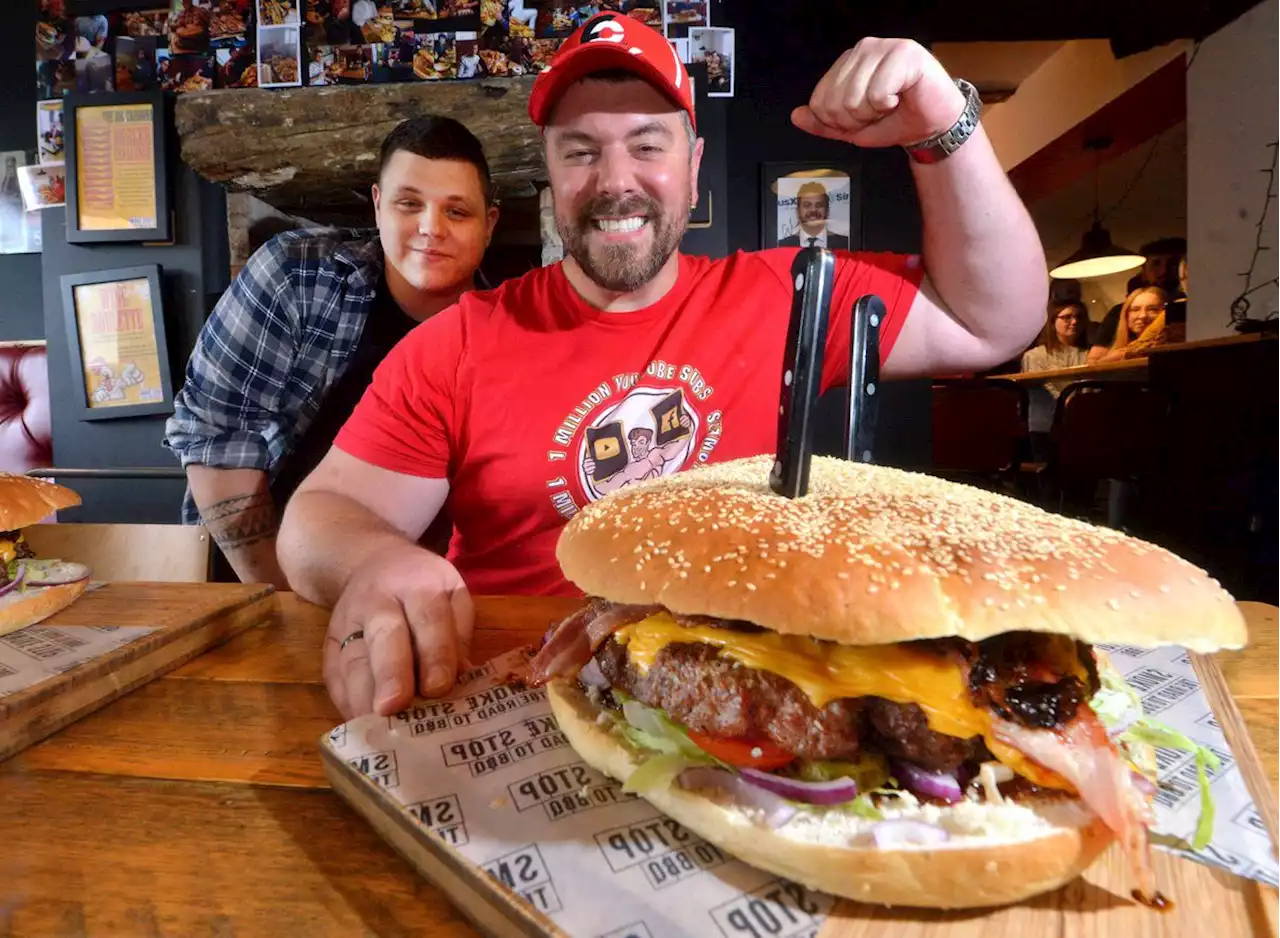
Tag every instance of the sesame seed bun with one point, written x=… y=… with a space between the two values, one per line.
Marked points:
x=24 y=500
x=27 y=606
x=874 y=555
x=1005 y=866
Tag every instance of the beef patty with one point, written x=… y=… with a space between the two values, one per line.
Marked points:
x=714 y=695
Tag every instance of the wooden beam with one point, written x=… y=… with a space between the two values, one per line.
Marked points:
x=313 y=152
x=1153 y=105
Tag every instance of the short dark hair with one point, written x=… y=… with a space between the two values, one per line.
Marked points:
x=438 y=138
x=1165 y=246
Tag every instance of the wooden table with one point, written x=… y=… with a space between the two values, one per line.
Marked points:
x=196 y=805
x=1130 y=369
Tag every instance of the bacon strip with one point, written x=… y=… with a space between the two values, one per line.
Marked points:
x=568 y=647
x=1082 y=753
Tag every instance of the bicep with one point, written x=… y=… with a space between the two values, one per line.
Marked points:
x=408 y=503
x=934 y=341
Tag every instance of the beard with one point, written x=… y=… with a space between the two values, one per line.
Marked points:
x=621 y=268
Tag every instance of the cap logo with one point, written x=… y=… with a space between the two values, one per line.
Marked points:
x=604 y=28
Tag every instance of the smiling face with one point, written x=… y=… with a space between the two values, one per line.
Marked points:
x=622 y=176
x=433 y=220
x=1146 y=306
x=812 y=208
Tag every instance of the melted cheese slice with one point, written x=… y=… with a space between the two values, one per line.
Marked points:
x=825 y=672
x=8 y=551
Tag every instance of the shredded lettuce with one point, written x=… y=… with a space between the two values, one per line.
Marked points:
x=1115 y=701
x=1156 y=734
x=659 y=734
x=863 y=807
x=656 y=772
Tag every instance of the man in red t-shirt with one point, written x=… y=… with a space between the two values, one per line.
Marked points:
x=629 y=360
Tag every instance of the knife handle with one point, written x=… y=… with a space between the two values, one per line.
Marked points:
x=861 y=408
x=813 y=275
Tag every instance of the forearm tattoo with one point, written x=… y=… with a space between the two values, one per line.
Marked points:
x=242 y=520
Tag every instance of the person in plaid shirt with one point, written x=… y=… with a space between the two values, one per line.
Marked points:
x=292 y=344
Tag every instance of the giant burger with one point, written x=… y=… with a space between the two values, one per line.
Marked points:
x=31 y=588
x=886 y=689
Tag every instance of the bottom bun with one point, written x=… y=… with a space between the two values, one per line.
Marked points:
x=23 y=607
x=1035 y=847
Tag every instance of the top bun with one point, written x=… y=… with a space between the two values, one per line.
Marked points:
x=24 y=500
x=873 y=555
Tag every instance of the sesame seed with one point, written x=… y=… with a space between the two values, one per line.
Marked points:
x=1114 y=604
x=751 y=586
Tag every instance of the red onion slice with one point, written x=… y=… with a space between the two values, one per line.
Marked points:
x=55 y=572
x=19 y=573
x=776 y=810
x=903 y=832
x=919 y=781
x=592 y=676
x=836 y=791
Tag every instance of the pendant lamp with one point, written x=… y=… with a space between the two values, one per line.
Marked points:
x=1098 y=255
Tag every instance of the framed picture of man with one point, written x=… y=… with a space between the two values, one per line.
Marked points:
x=810 y=205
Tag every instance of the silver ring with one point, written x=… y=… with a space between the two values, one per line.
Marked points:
x=359 y=633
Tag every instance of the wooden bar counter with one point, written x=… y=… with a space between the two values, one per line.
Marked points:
x=196 y=805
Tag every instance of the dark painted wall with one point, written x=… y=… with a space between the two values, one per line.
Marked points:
x=779 y=61
x=21 y=314
x=193 y=272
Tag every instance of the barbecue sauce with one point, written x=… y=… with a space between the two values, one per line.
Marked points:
x=1160 y=902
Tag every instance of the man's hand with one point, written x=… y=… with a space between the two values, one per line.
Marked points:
x=416 y=615
x=882 y=93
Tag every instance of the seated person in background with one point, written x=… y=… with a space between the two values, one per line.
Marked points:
x=1143 y=308
x=293 y=343
x=1159 y=270
x=1063 y=343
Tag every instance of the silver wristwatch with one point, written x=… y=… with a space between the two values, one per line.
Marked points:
x=938 y=147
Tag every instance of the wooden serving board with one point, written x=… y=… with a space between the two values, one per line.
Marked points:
x=1206 y=901
x=188 y=618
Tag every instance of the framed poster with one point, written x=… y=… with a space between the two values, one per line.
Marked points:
x=804 y=204
x=116 y=338
x=115 y=156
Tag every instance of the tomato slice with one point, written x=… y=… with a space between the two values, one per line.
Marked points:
x=752 y=753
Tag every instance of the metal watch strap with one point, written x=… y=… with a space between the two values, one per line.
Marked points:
x=940 y=146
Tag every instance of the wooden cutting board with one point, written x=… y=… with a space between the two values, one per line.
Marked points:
x=188 y=618
x=1206 y=901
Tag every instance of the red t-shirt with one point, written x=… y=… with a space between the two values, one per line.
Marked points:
x=533 y=403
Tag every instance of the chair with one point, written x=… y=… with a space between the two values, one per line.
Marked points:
x=979 y=427
x=26 y=440
x=1112 y=431
x=174 y=553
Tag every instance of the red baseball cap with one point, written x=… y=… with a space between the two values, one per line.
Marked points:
x=608 y=41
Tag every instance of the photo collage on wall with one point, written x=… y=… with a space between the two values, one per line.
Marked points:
x=195 y=45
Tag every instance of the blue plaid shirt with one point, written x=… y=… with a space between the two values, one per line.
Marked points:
x=276 y=342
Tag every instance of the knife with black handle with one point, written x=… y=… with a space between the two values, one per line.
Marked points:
x=812 y=275
x=861 y=407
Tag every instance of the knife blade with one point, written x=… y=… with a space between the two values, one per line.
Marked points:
x=861 y=408
x=813 y=275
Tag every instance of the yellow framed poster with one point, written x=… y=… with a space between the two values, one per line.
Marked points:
x=116 y=189
x=116 y=337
